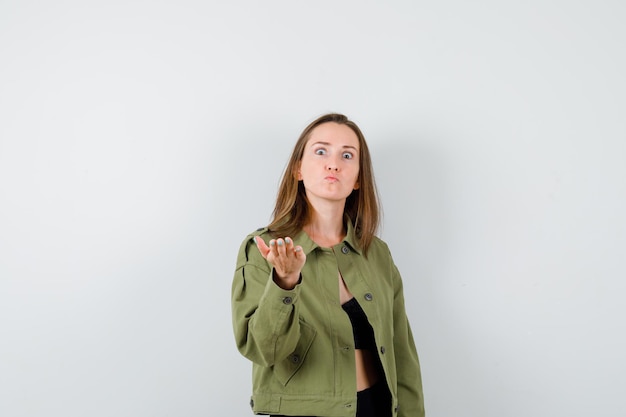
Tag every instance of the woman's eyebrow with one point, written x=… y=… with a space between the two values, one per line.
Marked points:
x=328 y=144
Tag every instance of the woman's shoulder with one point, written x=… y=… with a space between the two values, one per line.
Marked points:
x=378 y=251
x=258 y=232
x=262 y=232
x=248 y=252
x=379 y=244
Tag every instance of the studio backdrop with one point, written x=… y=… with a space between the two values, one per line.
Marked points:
x=141 y=141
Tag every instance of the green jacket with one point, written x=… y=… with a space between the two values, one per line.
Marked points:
x=301 y=342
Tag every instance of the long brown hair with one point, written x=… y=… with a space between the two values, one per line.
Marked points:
x=292 y=211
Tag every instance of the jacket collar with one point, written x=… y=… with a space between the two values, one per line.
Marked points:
x=350 y=240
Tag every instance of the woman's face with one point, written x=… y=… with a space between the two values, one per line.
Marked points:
x=329 y=167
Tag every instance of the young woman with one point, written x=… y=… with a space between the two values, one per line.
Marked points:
x=317 y=301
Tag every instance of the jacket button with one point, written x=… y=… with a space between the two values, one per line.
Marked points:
x=345 y=250
x=252 y=403
x=382 y=350
x=368 y=296
x=287 y=300
x=295 y=358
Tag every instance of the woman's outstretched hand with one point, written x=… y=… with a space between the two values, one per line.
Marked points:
x=287 y=260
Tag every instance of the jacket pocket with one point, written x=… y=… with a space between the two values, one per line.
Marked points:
x=288 y=367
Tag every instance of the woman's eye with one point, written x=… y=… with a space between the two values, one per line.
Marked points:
x=320 y=151
x=347 y=155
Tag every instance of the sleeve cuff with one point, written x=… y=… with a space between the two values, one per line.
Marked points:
x=278 y=296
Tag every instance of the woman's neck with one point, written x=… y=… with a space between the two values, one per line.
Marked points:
x=326 y=227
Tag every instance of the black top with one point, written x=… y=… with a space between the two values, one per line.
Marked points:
x=363 y=332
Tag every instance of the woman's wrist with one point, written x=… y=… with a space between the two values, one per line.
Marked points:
x=288 y=282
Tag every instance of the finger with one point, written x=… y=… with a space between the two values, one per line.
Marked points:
x=297 y=251
x=273 y=250
x=280 y=247
x=261 y=246
x=289 y=245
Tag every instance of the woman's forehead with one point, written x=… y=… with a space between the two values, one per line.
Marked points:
x=334 y=134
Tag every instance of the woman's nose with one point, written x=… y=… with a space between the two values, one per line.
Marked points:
x=332 y=164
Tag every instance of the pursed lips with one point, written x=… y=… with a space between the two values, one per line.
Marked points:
x=331 y=178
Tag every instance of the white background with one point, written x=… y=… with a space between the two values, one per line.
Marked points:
x=140 y=141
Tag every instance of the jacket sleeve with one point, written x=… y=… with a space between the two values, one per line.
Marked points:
x=264 y=316
x=410 y=394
